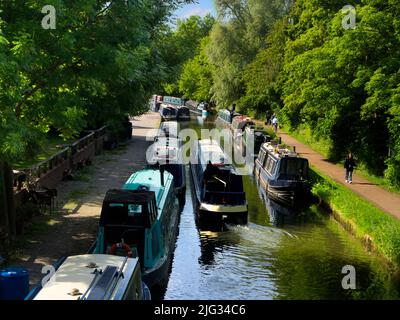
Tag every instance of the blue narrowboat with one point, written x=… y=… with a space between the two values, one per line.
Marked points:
x=282 y=174
x=141 y=220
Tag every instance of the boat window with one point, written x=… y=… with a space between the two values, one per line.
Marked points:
x=294 y=167
x=262 y=157
x=134 y=209
x=270 y=166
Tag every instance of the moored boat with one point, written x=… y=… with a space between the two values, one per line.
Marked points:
x=183 y=114
x=93 y=277
x=166 y=152
x=141 y=220
x=169 y=129
x=283 y=174
x=225 y=118
x=218 y=189
x=253 y=137
x=168 y=112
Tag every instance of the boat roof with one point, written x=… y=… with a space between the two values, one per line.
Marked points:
x=212 y=151
x=168 y=141
x=279 y=152
x=170 y=127
x=74 y=273
x=161 y=152
x=151 y=179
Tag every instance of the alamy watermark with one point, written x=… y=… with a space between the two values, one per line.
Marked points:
x=49 y=20
x=349 y=280
x=349 y=20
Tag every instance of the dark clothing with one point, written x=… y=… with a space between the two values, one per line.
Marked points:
x=349 y=164
x=210 y=171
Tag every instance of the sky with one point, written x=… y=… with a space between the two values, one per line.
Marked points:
x=200 y=9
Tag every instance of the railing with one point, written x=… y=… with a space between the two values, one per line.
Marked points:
x=52 y=162
x=82 y=143
x=65 y=154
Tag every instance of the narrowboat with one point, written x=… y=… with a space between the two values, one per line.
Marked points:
x=173 y=101
x=256 y=138
x=239 y=123
x=183 y=114
x=225 y=118
x=283 y=174
x=168 y=112
x=218 y=189
x=167 y=154
x=169 y=129
x=141 y=220
x=93 y=277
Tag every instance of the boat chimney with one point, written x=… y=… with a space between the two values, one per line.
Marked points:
x=162 y=175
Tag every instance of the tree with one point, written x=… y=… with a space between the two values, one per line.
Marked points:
x=196 y=78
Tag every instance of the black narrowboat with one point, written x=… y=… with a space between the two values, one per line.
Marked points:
x=283 y=174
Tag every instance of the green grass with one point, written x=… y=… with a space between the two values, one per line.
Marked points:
x=366 y=221
x=304 y=136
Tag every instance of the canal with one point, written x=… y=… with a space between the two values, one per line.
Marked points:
x=279 y=254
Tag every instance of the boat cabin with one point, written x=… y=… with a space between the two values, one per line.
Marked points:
x=124 y=217
x=183 y=114
x=241 y=122
x=225 y=118
x=282 y=173
x=168 y=112
x=169 y=129
x=218 y=188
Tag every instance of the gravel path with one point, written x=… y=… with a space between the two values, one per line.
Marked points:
x=387 y=201
x=73 y=228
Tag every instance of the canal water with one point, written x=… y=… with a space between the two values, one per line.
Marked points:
x=279 y=254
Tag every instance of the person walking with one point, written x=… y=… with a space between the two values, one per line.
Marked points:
x=275 y=123
x=349 y=165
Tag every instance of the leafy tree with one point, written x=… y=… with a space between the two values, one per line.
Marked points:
x=196 y=78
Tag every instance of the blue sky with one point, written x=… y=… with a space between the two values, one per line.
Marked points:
x=200 y=9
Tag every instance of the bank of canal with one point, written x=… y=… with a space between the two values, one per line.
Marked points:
x=280 y=254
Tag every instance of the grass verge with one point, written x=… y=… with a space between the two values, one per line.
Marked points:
x=379 y=230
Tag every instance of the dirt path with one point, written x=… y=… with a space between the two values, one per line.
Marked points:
x=73 y=229
x=385 y=200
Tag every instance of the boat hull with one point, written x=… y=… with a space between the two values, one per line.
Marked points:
x=289 y=193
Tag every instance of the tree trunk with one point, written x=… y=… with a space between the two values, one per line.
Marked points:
x=4 y=224
x=9 y=183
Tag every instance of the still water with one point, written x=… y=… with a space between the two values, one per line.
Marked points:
x=279 y=254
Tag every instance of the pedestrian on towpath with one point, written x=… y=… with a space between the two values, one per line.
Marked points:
x=349 y=165
x=275 y=123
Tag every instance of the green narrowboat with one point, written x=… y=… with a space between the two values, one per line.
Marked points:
x=141 y=220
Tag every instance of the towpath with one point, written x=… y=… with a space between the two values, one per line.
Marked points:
x=73 y=228
x=383 y=199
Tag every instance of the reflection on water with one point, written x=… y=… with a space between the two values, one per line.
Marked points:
x=280 y=254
